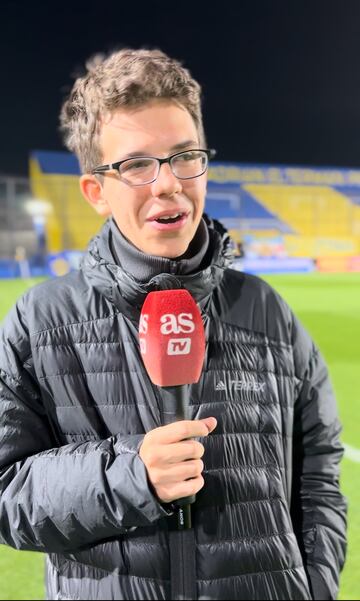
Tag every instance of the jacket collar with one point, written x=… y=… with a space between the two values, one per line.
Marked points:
x=128 y=294
x=143 y=266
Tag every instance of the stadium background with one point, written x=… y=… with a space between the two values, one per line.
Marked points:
x=298 y=227
x=281 y=218
x=282 y=92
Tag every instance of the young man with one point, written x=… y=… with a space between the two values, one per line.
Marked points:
x=88 y=470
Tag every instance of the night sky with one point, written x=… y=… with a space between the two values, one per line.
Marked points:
x=281 y=80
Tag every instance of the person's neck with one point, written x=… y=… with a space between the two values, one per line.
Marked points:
x=143 y=267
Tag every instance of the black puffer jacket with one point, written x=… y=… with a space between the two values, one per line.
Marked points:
x=75 y=402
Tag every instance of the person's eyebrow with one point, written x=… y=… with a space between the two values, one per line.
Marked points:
x=186 y=144
x=145 y=153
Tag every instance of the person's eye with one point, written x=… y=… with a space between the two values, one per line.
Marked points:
x=138 y=165
x=189 y=156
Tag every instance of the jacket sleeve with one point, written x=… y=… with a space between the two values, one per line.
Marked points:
x=318 y=507
x=53 y=498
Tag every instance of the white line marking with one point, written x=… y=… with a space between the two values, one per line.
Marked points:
x=352 y=453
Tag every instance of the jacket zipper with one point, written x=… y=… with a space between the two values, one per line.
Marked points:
x=182 y=584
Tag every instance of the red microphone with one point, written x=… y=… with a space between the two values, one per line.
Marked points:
x=172 y=345
x=172 y=339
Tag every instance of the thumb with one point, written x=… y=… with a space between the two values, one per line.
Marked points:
x=210 y=423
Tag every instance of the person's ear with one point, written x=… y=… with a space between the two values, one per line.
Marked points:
x=93 y=192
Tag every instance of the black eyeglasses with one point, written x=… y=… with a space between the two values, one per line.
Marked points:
x=139 y=171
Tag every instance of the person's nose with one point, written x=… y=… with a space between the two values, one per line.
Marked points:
x=166 y=183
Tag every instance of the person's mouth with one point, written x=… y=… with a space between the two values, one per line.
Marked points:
x=169 y=220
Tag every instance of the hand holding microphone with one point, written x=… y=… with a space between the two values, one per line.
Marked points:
x=172 y=344
x=173 y=463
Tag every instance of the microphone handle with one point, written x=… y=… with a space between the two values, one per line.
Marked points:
x=175 y=409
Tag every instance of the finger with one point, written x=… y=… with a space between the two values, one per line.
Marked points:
x=163 y=455
x=180 y=431
x=184 y=451
x=189 y=469
x=179 y=473
x=182 y=489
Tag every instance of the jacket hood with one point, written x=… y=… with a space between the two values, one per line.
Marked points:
x=127 y=293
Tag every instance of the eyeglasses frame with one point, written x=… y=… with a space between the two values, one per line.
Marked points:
x=210 y=152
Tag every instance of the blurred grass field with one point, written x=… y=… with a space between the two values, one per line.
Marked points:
x=329 y=307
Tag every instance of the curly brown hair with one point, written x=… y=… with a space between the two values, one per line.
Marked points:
x=125 y=78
